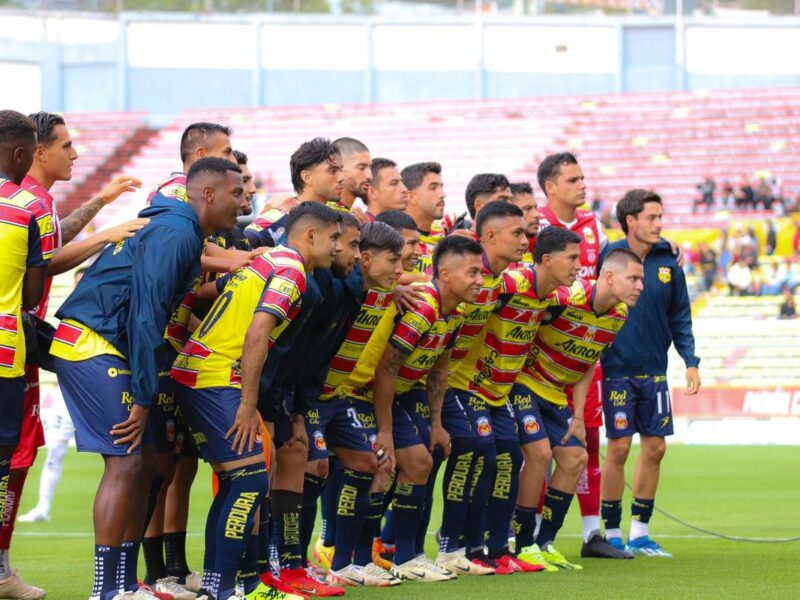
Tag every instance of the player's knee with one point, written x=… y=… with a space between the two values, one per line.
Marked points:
x=536 y=455
x=320 y=468
x=618 y=451
x=416 y=466
x=574 y=461
x=165 y=467
x=654 y=449
x=364 y=462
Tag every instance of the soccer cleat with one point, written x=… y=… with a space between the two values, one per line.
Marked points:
x=323 y=554
x=268 y=578
x=142 y=593
x=616 y=542
x=480 y=562
x=170 y=585
x=15 y=588
x=554 y=557
x=422 y=568
x=599 y=547
x=517 y=564
x=377 y=571
x=192 y=582
x=644 y=546
x=146 y=589
x=299 y=580
x=533 y=555
x=457 y=562
x=381 y=555
x=267 y=592
x=357 y=576
x=34 y=516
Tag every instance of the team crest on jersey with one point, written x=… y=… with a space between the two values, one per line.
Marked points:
x=530 y=424
x=620 y=421
x=589 y=335
x=664 y=274
x=319 y=441
x=484 y=427
x=588 y=235
x=169 y=430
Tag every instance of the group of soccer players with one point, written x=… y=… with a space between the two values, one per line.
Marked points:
x=337 y=353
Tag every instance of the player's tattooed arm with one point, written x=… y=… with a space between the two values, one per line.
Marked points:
x=246 y=425
x=436 y=387
x=80 y=218
x=383 y=396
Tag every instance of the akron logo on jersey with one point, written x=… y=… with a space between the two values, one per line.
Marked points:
x=484 y=427
x=319 y=441
x=620 y=420
x=588 y=235
x=530 y=424
x=664 y=274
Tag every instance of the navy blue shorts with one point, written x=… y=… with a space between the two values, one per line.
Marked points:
x=454 y=416
x=539 y=419
x=275 y=406
x=637 y=405
x=340 y=423
x=489 y=422
x=411 y=419
x=210 y=413
x=162 y=411
x=12 y=393
x=97 y=392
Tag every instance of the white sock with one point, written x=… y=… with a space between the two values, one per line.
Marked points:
x=638 y=529
x=538 y=524
x=51 y=475
x=5 y=565
x=613 y=533
x=591 y=526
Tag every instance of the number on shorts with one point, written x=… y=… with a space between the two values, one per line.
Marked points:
x=662 y=402
x=351 y=412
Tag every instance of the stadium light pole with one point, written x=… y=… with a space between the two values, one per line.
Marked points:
x=680 y=55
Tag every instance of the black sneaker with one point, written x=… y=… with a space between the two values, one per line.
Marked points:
x=598 y=547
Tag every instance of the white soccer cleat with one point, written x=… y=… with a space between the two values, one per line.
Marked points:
x=34 y=516
x=15 y=588
x=170 y=585
x=141 y=594
x=354 y=575
x=458 y=563
x=380 y=572
x=422 y=568
x=193 y=581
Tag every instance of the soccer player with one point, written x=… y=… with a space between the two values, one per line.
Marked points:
x=426 y=206
x=403 y=350
x=387 y=190
x=316 y=171
x=357 y=170
x=564 y=352
x=218 y=373
x=484 y=378
x=402 y=222
x=636 y=398
x=562 y=181
x=235 y=238
x=484 y=188
x=522 y=196
x=106 y=355
x=23 y=271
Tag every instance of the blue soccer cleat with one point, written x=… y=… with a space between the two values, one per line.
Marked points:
x=644 y=546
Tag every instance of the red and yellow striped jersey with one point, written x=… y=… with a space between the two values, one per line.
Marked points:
x=422 y=335
x=273 y=283
x=496 y=358
x=428 y=240
x=337 y=205
x=173 y=187
x=369 y=316
x=570 y=340
x=21 y=248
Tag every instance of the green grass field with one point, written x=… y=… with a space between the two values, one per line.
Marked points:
x=744 y=491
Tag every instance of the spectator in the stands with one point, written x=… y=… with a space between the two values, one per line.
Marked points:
x=739 y=278
x=597 y=205
x=772 y=238
x=745 y=197
x=763 y=195
x=706 y=193
x=707 y=265
x=727 y=199
x=788 y=310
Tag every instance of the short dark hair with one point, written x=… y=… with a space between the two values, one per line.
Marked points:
x=45 y=126
x=377 y=165
x=347 y=146
x=241 y=157
x=195 y=136
x=308 y=155
x=495 y=210
x=483 y=184
x=211 y=164
x=621 y=257
x=397 y=219
x=632 y=204
x=550 y=167
x=553 y=239
x=312 y=211
x=414 y=174
x=521 y=188
x=349 y=220
x=379 y=237
x=16 y=128
x=454 y=244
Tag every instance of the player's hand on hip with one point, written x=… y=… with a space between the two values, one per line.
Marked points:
x=124 y=230
x=132 y=428
x=245 y=429
x=576 y=429
x=439 y=437
x=118 y=186
x=692 y=381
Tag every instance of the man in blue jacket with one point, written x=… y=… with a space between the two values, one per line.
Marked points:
x=636 y=398
x=106 y=355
